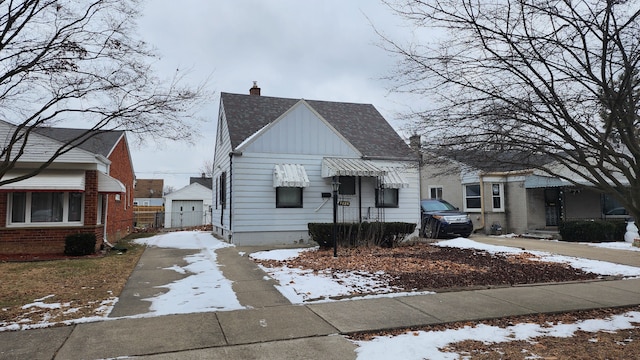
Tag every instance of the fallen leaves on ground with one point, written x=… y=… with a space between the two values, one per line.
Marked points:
x=423 y=266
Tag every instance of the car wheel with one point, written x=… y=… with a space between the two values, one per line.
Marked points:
x=430 y=230
x=465 y=235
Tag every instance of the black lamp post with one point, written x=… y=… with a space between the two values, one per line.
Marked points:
x=335 y=185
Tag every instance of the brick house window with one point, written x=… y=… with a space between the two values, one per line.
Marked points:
x=45 y=207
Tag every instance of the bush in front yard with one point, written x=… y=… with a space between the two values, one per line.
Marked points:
x=386 y=234
x=592 y=231
x=80 y=244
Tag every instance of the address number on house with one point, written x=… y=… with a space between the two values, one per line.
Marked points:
x=344 y=203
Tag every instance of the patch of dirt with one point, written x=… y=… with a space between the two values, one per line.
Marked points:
x=421 y=266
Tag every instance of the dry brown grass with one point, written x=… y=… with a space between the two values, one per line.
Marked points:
x=82 y=286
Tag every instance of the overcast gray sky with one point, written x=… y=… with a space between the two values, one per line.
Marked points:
x=314 y=49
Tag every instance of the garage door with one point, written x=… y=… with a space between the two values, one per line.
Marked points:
x=186 y=213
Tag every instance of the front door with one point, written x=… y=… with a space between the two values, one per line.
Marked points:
x=552 y=206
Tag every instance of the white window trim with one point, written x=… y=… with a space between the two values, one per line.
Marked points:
x=430 y=187
x=65 y=213
x=464 y=198
x=501 y=187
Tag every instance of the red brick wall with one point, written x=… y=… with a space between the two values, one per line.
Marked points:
x=42 y=240
x=120 y=213
x=50 y=239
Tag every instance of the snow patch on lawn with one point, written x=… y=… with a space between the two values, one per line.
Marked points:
x=603 y=268
x=420 y=345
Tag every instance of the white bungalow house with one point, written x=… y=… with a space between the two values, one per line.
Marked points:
x=276 y=158
x=188 y=207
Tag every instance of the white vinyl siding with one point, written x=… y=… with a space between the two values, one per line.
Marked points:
x=300 y=131
x=220 y=216
x=188 y=206
x=254 y=207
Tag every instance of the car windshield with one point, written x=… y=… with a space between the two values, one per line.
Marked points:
x=437 y=205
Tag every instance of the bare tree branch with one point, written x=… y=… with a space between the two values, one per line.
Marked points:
x=547 y=78
x=64 y=60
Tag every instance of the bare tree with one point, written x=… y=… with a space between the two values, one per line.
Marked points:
x=551 y=78
x=168 y=189
x=68 y=60
x=207 y=168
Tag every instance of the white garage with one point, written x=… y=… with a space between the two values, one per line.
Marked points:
x=188 y=207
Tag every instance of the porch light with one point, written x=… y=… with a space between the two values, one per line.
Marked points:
x=335 y=185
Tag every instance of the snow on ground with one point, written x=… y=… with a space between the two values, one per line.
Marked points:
x=618 y=245
x=303 y=286
x=595 y=266
x=205 y=289
x=422 y=344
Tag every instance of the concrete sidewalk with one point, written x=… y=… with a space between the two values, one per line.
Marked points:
x=270 y=327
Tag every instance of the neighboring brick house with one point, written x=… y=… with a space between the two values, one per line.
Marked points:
x=74 y=194
x=149 y=192
x=114 y=146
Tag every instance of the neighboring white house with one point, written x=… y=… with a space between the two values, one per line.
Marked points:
x=188 y=207
x=276 y=158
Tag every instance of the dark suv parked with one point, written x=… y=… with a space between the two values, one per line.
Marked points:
x=440 y=218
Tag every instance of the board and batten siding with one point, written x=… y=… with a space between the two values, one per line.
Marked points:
x=300 y=131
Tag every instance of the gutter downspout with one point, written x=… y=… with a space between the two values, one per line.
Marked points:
x=230 y=201
x=482 y=214
x=231 y=193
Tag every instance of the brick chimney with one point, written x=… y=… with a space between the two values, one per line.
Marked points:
x=255 y=90
x=414 y=142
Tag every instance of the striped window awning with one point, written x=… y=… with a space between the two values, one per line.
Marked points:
x=350 y=167
x=290 y=175
x=108 y=184
x=72 y=180
x=394 y=179
x=537 y=181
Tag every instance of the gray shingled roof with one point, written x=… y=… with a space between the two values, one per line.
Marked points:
x=361 y=124
x=101 y=143
x=204 y=181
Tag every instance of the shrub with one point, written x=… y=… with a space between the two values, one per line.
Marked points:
x=80 y=244
x=386 y=234
x=592 y=231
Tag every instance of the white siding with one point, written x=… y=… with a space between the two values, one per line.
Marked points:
x=302 y=132
x=254 y=210
x=192 y=192
x=220 y=215
x=40 y=148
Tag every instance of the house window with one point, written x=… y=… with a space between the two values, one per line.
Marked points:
x=387 y=198
x=101 y=208
x=496 y=197
x=347 y=185
x=472 y=197
x=223 y=190
x=288 y=197
x=435 y=192
x=45 y=207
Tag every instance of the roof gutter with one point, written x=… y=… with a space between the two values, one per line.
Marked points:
x=390 y=158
